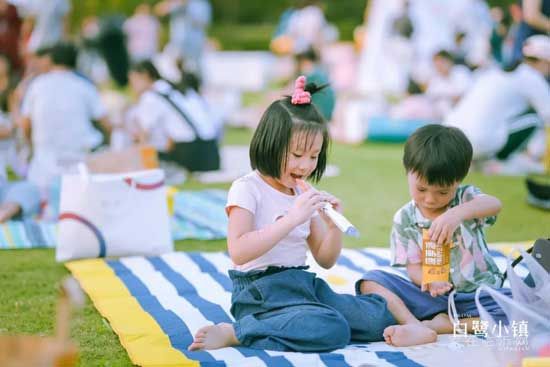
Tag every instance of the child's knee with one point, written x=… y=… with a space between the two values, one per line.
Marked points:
x=370 y=287
x=337 y=333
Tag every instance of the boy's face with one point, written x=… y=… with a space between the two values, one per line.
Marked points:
x=431 y=199
x=301 y=159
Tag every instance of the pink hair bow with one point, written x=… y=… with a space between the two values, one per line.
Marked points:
x=300 y=96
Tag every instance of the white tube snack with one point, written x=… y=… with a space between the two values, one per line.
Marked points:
x=339 y=220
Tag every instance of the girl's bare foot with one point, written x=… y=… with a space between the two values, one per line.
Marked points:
x=214 y=336
x=409 y=334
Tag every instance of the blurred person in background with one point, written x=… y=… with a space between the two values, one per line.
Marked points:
x=48 y=21
x=448 y=83
x=10 y=35
x=172 y=120
x=309 y=66
x=535 y=16
x=303 y=28
x=189 y=21
x=57 y=114
x=503 y=110
x=142 y=32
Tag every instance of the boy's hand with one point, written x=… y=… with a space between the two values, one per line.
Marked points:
x=437 y=288
x=442 y=228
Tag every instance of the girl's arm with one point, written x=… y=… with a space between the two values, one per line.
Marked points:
x=325 y=242
x=246 y=244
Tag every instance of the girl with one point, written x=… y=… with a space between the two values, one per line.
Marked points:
x=276 y=303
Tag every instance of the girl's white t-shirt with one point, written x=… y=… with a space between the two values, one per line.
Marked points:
x=268 y=205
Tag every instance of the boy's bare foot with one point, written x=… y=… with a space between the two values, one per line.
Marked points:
x=440 y=324
x=214 y=336
x=409 y=334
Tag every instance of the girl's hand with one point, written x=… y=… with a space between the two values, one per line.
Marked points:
x=336 y=205
x=305 y=205
x=332 y=200
x=442 y=228
x=437 y=288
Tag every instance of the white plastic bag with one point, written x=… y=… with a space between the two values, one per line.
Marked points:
x=537 y=297
x=113 y=215
x=528 y=314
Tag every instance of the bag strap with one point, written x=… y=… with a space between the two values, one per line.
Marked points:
x=187 y=120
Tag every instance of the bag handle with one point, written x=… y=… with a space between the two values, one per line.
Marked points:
x=451 y=308
x=181 y=112
x=86 y=177
x=504 y=301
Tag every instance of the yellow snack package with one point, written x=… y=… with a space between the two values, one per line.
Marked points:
x=435 y=260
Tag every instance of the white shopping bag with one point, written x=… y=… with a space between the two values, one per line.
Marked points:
x=113 y=215
x=527 y=313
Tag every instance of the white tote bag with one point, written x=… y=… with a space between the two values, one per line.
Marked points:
x=113 y=215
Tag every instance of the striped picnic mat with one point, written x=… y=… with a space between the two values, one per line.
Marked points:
x=156 y=304
x=197 y=215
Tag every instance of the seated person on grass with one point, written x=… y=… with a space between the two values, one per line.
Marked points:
x=17 y=199
x=437 y=159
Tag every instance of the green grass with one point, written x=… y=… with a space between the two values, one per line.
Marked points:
x=371 y=184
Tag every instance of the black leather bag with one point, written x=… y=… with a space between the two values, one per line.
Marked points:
x=198 y=155
x=540 y=252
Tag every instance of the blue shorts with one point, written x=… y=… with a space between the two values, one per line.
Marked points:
x=424 y=307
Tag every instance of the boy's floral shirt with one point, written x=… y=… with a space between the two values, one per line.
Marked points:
x=471 y=263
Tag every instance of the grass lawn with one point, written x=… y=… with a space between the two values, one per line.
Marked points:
x=371 y=184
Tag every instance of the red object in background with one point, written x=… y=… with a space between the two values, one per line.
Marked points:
x=10 y=33
x=544 y=351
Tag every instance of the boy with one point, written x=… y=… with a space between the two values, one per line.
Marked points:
x=437 y=159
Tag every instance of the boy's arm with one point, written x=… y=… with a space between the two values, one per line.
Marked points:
x=481 y=206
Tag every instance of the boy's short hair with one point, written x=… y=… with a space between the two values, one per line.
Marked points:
x=63 y=53
x=439 y=154
x=271 y=141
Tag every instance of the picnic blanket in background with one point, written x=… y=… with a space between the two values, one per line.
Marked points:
x=197 y=215
x=28 y=234
x=156 y=304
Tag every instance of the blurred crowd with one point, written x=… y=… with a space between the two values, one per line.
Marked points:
x=461 y=63
x=113 y=84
